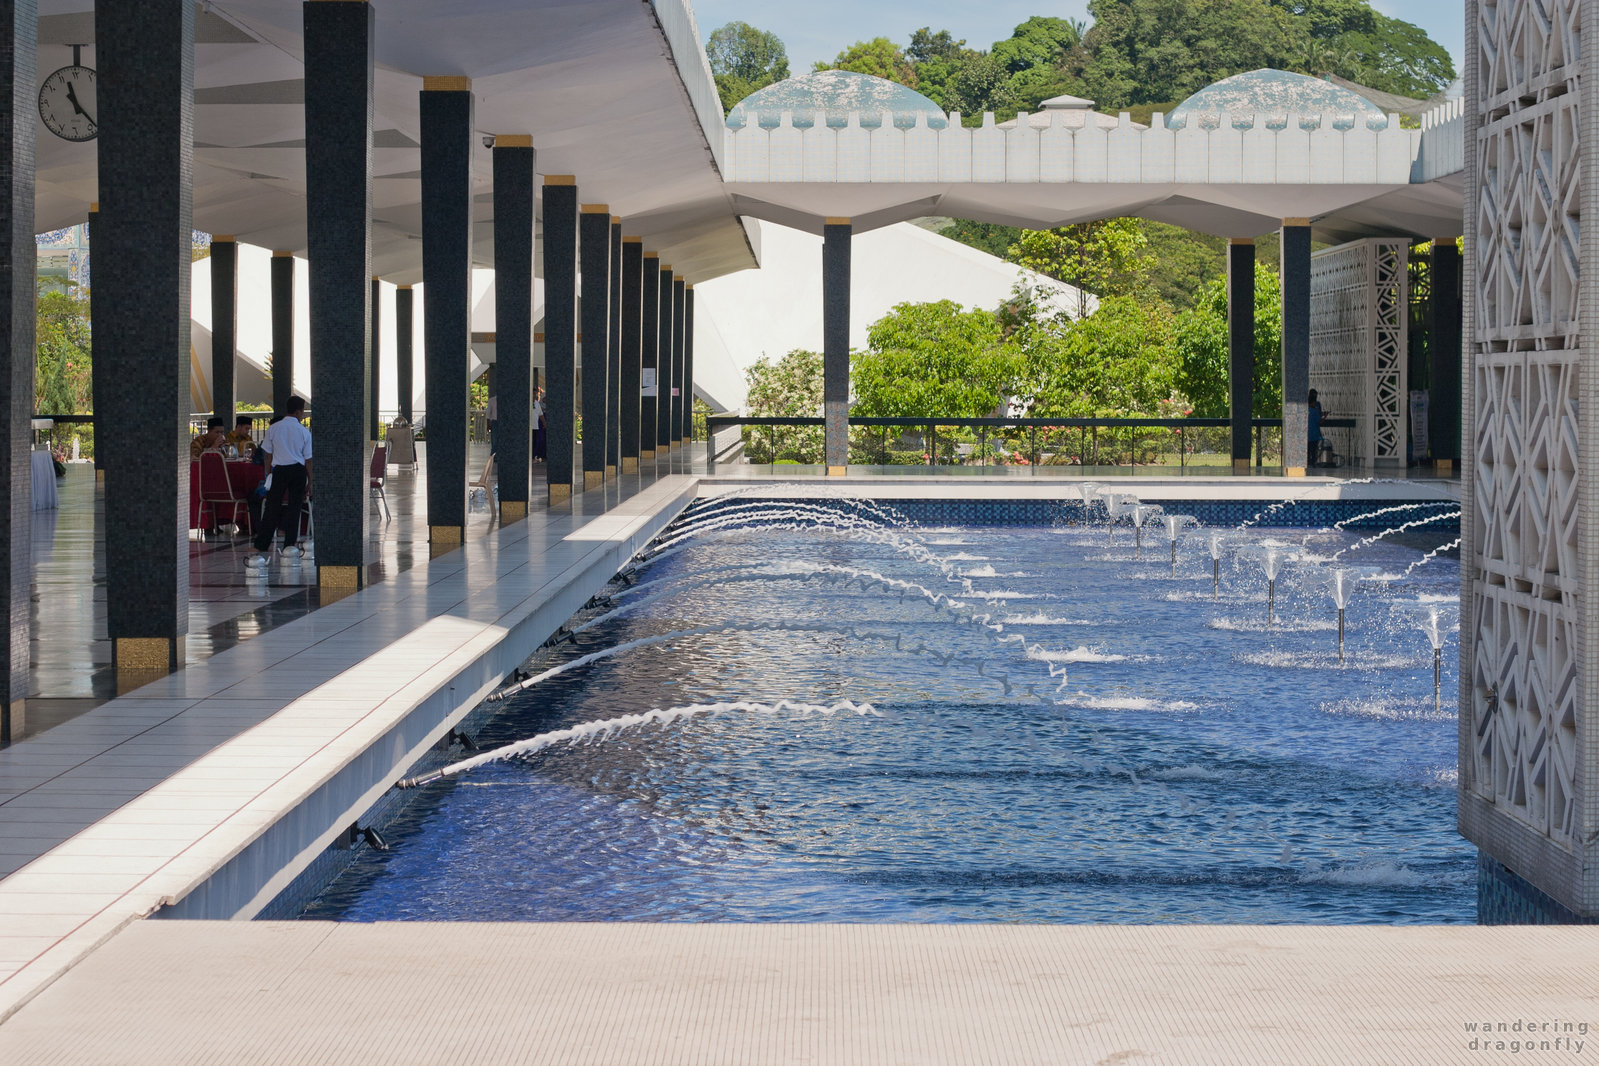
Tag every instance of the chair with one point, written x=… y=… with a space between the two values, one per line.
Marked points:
x=377 y=473
x=216 y=490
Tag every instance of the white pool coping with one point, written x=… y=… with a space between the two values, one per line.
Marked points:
x=633 y=993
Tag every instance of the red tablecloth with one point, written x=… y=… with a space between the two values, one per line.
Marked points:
x=243 y=475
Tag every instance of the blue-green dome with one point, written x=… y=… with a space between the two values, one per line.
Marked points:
x=1277 y=93
x=835 y=93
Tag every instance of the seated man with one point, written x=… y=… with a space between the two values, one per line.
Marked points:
x=214 y=437
x=240 y=437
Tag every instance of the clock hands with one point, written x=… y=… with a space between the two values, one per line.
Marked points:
x=72 y=98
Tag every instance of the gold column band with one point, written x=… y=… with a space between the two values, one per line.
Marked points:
x=444 y=534
x=560 y=179
x=513 y=510
x=629 y=464
x=593 y=479
x=830 y=221
x=595 y=209
x=560 y=492
x=837 y=471
x=1293 y=471
x=514 y=140
x=340 y=577
x=148 y=653
x=1240 y=466
x=449 y=83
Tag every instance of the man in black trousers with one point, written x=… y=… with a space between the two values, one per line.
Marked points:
x=287 y=444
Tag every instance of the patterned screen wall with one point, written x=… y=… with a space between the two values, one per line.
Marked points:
x=1523 y=684
x=1359 y=327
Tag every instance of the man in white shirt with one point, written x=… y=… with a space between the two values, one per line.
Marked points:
x=288 y=446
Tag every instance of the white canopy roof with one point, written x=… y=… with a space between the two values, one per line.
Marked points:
x=615 y=92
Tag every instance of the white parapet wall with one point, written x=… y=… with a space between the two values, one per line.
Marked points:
x=1258 y=149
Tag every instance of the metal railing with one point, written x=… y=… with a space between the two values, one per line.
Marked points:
x=1032 y=442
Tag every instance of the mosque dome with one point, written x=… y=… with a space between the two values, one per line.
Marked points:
x=835 y=93
x=1278 y=94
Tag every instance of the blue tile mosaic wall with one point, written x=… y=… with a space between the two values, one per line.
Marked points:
x=1504 y=898
x=1295 y=514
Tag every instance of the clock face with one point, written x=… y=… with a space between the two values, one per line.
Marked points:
x=68 y=106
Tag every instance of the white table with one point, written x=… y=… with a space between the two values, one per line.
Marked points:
x=44 y=481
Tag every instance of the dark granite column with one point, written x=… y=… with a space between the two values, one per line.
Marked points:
x=835 y=342
x=145 y=56
x=513 y=317
x=224 y=325
x=338 y=208
x=19 y=20
x=446 y=122
x=282 y=329
x=613 y=362
x=1241 y=345
x=649 y=341
x=560 y=331
x=665 y=330
x=404 y=354
x=631 y=312
x=374 y=420
x=679 y=346
x=596 y=259
x=1444 y=357
x=1296 y=345
x=688 y=365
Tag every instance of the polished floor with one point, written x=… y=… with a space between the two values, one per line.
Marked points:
x=71 y=653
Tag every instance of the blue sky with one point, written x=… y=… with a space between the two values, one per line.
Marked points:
x=819 y=29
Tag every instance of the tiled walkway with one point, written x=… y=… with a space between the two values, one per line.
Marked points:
x=71 y=653
x=133 y=804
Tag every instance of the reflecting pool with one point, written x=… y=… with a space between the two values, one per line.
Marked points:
x=870 y=722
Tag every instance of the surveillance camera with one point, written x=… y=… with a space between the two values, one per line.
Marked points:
x=488 y=140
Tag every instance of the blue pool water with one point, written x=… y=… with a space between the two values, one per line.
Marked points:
x=1147 y=754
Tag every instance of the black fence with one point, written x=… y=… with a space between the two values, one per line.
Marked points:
x=1011 y=442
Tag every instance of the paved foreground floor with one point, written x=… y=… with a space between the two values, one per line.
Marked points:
x=175 y=993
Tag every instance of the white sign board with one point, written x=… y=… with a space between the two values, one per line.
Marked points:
x=646 y=377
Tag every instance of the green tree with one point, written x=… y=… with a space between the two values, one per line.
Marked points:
x=744 y=59
x=879 y=56
x=1105 y=258
x=927 y=46
x=63 y=348
x=1038 y=42
x=1199 y=348
x=1114 y=363
x=934 y=359
x=1351 y=39
x=990 y=237
x=791 y=387
x=1157 y=51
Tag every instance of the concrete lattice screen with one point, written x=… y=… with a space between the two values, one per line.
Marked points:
x=1526 y=769
x=1359 y=326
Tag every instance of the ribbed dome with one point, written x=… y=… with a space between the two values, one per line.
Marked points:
x=835 y=93
x=1277 y=93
